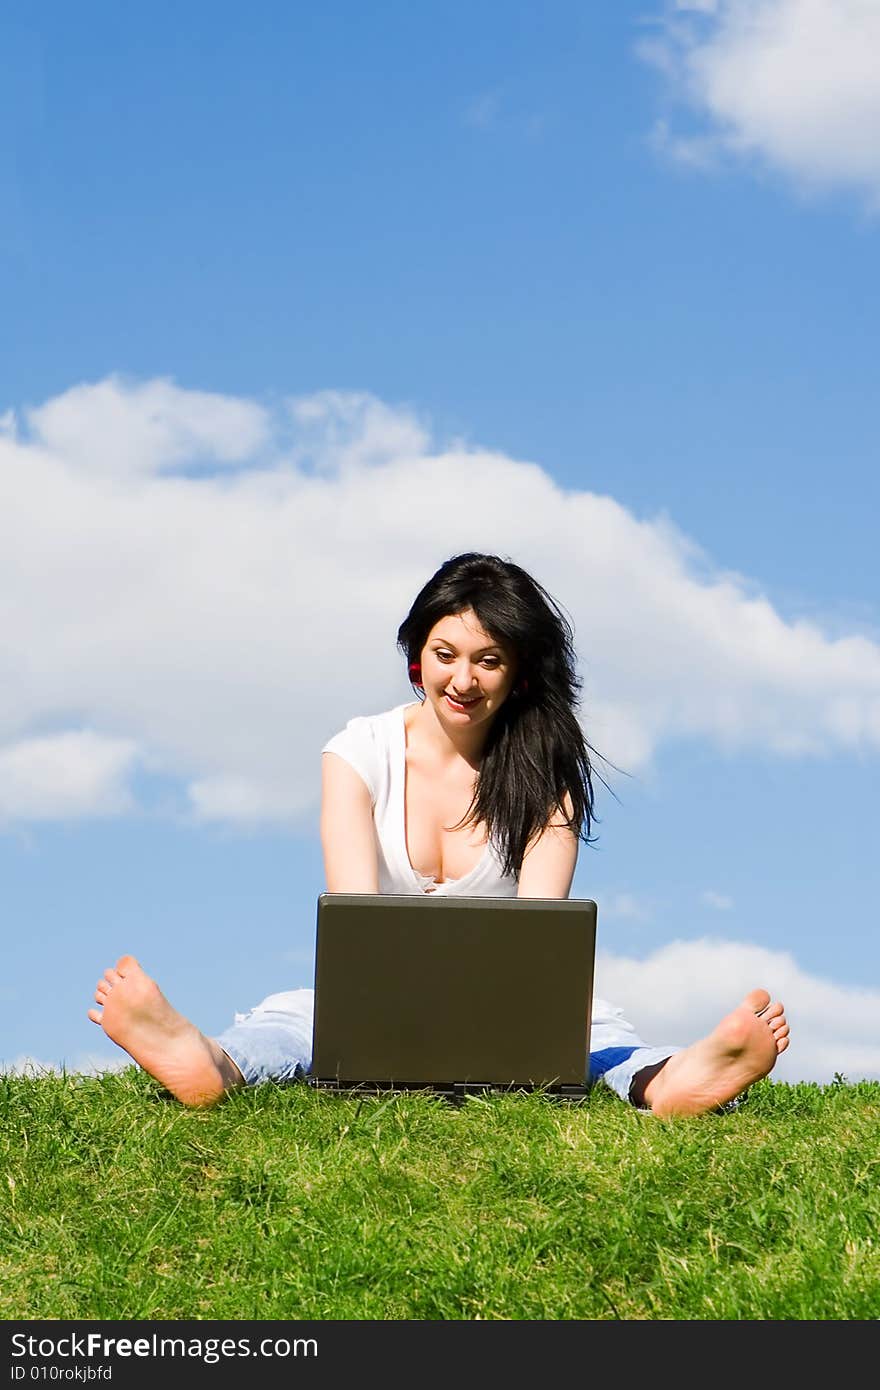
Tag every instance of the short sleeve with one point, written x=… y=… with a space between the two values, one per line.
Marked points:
x=356 y=744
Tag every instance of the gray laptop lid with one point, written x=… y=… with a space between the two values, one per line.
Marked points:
x=453 y=993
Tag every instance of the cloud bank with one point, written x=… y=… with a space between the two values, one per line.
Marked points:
x=791 y=84
x=678 y=994
x=197 y=590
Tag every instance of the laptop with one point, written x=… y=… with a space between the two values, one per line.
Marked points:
x=453 y=994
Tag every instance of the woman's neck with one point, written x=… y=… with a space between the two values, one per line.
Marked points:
x=446 y=745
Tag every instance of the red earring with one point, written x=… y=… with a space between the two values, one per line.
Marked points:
x=522 y=688
x=415 y=673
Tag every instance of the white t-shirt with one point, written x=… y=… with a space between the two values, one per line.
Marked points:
x=375 y=746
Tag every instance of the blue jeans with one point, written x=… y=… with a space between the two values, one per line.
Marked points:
x=273 y=1042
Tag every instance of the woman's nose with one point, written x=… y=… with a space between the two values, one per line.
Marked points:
x=463 y=677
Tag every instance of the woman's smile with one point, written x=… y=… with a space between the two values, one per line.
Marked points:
x=461 y=704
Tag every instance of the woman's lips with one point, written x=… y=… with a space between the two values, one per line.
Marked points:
x=462 y=704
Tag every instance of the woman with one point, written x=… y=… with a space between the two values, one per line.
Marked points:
x=482 y=786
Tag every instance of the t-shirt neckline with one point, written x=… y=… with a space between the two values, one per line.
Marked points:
x=423 y=880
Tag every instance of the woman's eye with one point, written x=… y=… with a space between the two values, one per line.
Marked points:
x=490 y=662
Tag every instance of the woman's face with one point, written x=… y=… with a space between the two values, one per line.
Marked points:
x=466 y=674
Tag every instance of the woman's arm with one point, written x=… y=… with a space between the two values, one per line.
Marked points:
x=549 y=863
x=347 y=835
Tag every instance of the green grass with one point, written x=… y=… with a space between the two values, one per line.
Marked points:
x=282 y=1203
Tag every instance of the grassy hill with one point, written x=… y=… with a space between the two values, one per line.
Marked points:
x=117 y=1203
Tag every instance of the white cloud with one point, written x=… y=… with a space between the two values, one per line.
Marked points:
x=678 y=994
x=214 y=628
x=483 y=110
x=343 y=430
x=122 y=428
x=719 y=901
x=794 y=84
x=244 y=801
x=487 y=112
x=625 y=905
x=65 y=776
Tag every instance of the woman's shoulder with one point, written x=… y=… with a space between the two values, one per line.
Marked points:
x=373 y=726
x=370 y=737
x=367 y=743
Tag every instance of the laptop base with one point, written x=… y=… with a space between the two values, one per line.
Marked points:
x=455 y=1091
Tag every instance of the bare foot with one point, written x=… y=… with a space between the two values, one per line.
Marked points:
x=743 y=1048
x=136 y=1015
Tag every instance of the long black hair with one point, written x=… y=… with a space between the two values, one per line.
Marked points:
x=536 y=754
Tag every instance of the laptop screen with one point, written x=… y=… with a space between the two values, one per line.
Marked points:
x=452 y=992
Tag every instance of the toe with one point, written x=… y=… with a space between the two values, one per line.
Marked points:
x=781 y=1031
x=757 y=1000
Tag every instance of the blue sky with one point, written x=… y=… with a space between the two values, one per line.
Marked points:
x=300 y=300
